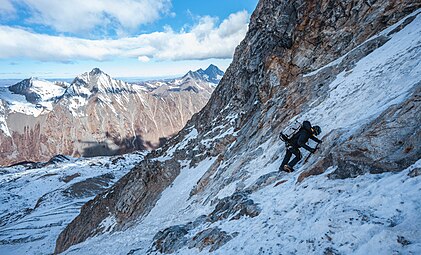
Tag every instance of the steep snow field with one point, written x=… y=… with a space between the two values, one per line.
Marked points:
x=37 y=204
x=379 y=80
x=370 y=214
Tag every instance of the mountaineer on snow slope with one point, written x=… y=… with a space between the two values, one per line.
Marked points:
x=296 y=141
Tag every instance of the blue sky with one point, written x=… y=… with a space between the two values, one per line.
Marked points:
x=130 y=38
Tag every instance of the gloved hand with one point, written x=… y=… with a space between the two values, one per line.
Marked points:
x=320 y=141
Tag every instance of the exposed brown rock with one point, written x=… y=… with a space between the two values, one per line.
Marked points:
x=69 y=178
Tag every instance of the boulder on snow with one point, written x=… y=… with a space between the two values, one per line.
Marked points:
x=211 y=237
x=175 y=237
x=171 y=239
x=415 y=172
x=88 y=187
x=236 y=205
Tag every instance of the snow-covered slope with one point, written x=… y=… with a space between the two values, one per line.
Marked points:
x=39 y=199
x=31 y=96
x=371 y=214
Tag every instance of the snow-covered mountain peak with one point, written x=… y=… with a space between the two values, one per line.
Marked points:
x=96 y=71
x=36 y=91
x=92 y=77
x=95 y=81
x=98 y=115
x=212 y=74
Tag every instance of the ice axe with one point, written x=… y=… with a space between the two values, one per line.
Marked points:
x=308 y=156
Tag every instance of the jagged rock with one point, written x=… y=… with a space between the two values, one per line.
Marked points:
x=236 y=205
x=403 y=241
x=264 y=87
x=132 y=196
x=211 y=237
x=58 y=159
x=174 y=238
x=330 y=251
x=415 y=172
x=88 y=187
x=69 y=178
x=171 y=239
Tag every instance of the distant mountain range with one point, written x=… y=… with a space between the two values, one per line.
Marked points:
x=96 y=114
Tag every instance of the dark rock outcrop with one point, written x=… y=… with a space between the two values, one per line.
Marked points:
x=175 y=237
x=236 y=205
x=132 y=196
x=211 y=237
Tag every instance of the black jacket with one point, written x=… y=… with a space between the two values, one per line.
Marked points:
x=301 y=138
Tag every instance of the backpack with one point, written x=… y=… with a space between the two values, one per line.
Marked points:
x=290 y=131
x=293 y=129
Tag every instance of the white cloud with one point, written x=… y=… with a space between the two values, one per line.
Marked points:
x=84 y=16
x=143 y=59
x=205 y=40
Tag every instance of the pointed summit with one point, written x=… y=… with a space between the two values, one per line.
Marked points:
x=212 y=74
x=213 y=68
x=86 y=77
x=96 y=71
x=93 y=82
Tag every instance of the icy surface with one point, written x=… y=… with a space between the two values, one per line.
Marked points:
x=381 y=79
x=364 y=215
x=174 y=207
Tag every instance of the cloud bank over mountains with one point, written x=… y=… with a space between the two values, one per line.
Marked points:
x=207 y=38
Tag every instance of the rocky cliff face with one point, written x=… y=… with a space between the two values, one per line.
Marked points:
x=95 y=115
x=351 y=67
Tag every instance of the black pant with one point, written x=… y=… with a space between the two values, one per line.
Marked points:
x=288 y=154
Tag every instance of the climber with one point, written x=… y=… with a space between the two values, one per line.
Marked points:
x=297 y=141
